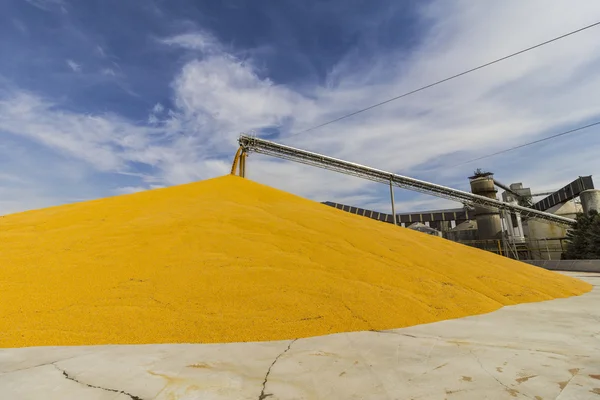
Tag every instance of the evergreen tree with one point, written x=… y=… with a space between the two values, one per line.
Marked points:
x=583 y=240
x=593 y=240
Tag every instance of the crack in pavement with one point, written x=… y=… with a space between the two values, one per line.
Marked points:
x=426 y=362
x=394 y=332
x=508 y=388
x=25 y=368
x=67 y=376
x=264 y=395
x=566 y=384
x=512 y=346
x=37 y=365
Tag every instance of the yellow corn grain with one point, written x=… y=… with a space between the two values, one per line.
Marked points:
x=228 y=260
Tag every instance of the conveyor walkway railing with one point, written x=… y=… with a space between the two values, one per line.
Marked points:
x=253 y=144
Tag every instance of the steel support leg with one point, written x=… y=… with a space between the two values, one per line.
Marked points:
x=393 y=203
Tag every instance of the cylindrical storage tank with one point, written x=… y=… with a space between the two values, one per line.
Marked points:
x=489 y=224
x=590 y=200
x=542 y=233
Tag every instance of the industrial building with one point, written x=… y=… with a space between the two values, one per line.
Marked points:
x=502 y=232
x=514 y=226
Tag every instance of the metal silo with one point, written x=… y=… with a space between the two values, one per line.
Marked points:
x=590 y=200
x=489 y=224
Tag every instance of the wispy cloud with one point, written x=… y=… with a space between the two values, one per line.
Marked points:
x=155 y=116
x=108 y=143
x=100 y=141
x=109 y=72
x=158 y=108
x=4 y=177
x=217 y=95
x=48 y=5
x=201 y=41
x=73 y=65
x=100 y=51
x=135 y=189
x=20 y=25
x=220 y=96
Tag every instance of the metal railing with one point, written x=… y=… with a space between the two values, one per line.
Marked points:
x=266 y=147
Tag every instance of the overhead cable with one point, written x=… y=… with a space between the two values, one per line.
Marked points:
x=528 y=144
x=449 y=78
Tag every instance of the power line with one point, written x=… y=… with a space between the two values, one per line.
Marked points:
x=528 y=144
x=449 y=78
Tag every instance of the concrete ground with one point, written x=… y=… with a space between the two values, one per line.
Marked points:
x=548 y=350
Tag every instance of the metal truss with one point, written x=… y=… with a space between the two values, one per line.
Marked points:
x=266 y=147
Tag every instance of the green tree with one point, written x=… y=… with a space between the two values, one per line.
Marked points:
x=593 y=241
x=583 y=240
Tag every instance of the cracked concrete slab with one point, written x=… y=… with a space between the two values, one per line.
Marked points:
x=72 y=378
x=539 y=351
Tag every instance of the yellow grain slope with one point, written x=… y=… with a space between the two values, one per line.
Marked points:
x=231 y=260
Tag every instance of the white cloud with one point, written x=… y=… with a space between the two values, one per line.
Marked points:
x=219 y=96
x=100 y=51
x=201 y=41
x=107 y=143
x=9 y=203
x=135 y=189
x=158 y=108
x=74 y=66
x=154 y=118
x=130 y=189
x=20 y=25
x=48 y=5
x=4 y=177
x=102 y=141
x=216 y=96
x=109 y=72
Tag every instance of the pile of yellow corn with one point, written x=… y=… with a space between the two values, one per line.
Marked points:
x=230 y=260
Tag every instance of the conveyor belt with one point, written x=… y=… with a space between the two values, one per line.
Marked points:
x=565 y=194
x=254 y=144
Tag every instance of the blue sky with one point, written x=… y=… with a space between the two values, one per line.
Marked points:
x=105 y=97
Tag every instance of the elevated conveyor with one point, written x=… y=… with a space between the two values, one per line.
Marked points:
x=569 y=192
x=266 y=147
